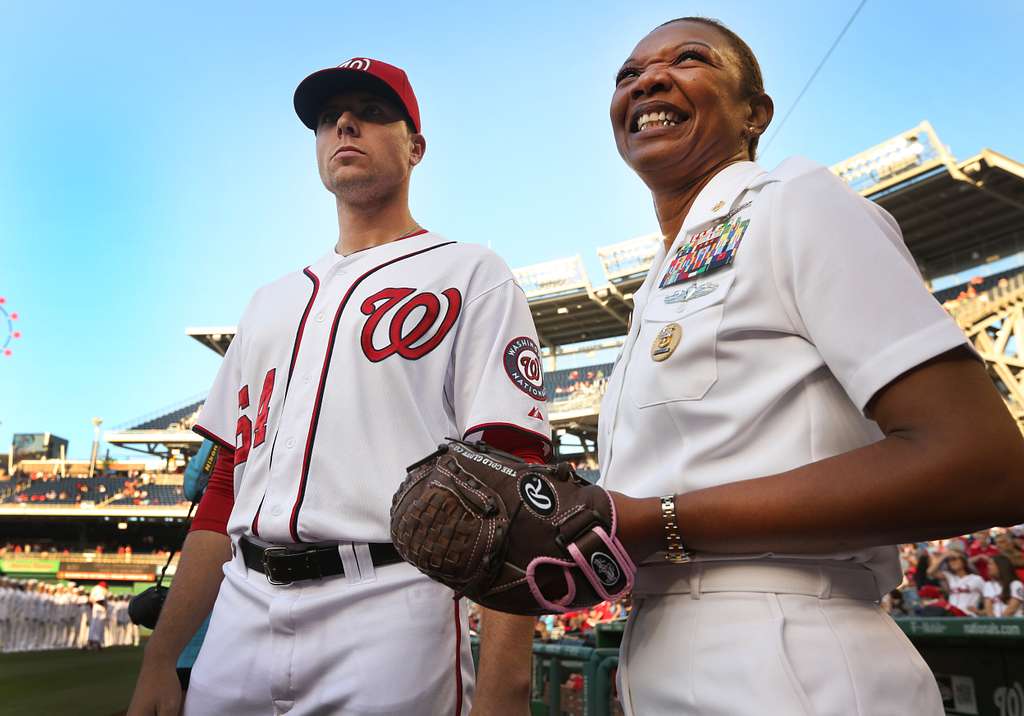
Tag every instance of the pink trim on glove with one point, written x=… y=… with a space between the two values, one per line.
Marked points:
x=620 y=556
x=562 y=605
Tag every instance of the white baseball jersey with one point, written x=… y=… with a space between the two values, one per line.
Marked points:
x=965 y=592
x=994 y=590
x=784 y=304
x=98 y=593
x=343 y=374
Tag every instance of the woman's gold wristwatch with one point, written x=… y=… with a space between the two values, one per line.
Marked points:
x=675 y=552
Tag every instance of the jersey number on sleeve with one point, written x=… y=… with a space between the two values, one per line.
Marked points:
x=244 y=427
x=264 y=410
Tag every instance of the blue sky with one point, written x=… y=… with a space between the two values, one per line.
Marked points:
x=153 y=174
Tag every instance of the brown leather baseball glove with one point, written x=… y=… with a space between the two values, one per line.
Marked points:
x=511 y=536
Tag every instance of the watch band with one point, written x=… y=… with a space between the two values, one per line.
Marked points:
x=675 y=552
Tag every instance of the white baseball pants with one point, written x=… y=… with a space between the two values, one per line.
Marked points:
x=383 y=640
x=758 y=639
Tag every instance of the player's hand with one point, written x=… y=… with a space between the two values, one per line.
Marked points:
x=157 y=692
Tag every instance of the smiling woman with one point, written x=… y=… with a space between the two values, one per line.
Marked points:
x=786 y=392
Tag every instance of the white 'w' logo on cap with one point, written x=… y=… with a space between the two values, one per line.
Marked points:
x=356 y=63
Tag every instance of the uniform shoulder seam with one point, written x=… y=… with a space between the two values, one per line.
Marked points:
x=492 y=289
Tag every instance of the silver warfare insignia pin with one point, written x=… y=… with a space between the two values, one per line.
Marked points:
x=694 y=290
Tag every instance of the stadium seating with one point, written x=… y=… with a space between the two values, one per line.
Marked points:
x=100 y=490
x=978 y=284
x=564 y=384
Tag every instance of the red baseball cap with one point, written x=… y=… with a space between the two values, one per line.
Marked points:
x=316 y=89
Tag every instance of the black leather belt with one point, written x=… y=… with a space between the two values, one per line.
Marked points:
x=284 y=564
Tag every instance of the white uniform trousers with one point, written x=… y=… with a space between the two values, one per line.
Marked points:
x=383 y=640
x=760 y=639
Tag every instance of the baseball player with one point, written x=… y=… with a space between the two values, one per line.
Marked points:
x=787 y=392
x=6 y=598
x=341 y=375
x=97 y=625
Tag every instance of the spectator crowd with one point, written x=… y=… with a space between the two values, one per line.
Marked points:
x=576 y=626
x=131 y=488
x=107 y=551
x=36 y=616
x=977 y=575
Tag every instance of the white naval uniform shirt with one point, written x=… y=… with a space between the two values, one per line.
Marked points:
x=780 y=351
x=343 y=374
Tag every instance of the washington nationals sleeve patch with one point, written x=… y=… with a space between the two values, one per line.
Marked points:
x=522 y=365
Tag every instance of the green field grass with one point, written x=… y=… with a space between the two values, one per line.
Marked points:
x=67 y=682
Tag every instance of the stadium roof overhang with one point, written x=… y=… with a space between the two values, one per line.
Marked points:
x=164 y=432
x=149 y=441
x=216 y=338
x=955 y=219
x=567 y=308
x=954 y=215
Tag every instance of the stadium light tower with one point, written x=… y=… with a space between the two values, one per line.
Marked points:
x=96 y=422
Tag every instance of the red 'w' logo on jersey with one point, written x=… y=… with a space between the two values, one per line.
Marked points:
x=408 y=338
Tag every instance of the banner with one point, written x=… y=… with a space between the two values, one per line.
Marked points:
x=27 y=565
x=107 y=571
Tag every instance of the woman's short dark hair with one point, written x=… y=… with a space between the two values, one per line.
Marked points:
x=751 y=81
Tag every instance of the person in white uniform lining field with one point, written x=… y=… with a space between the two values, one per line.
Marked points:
x=786 y=392
x=339 y=377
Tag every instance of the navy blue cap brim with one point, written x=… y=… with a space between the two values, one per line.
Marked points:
x=314 y=91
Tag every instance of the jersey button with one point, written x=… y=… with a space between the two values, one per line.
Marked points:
x=320 y=318
x=290 y=443
x=276 y=511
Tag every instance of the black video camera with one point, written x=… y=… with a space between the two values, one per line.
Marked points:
x=144 y=608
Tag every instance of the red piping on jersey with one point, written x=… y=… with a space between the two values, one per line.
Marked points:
x=302 y=325
x=484 y=426
x=255 y=526
x=200 y=430
x=293 y=525
x=458 y=659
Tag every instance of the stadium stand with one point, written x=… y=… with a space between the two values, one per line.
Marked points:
x=568 y=383
x=975 y=286
x=100 y=490
x=183 y=416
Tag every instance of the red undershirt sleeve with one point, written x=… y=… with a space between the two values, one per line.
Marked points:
x=216 y=503
x=219 y=497
x=526 y=446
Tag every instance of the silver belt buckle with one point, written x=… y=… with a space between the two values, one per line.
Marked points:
x=267 y=571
